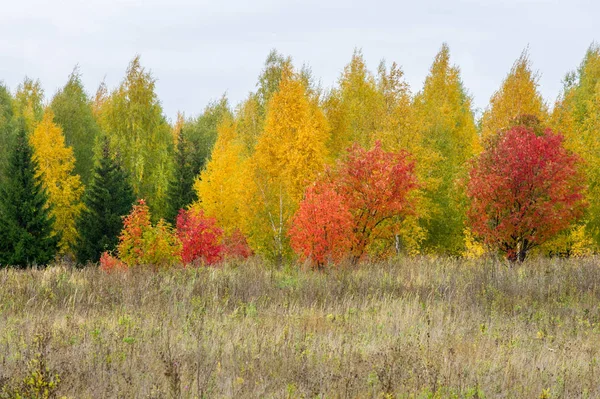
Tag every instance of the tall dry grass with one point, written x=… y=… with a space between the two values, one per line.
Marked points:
x=409 y=328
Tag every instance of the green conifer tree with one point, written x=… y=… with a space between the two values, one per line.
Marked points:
x=26 y=233
x=107 y=199
x=6 y=127
x=181 y=187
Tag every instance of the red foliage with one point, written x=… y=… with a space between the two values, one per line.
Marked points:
x=524 y=189
x=140 y=243
x=200 y=237
x=235 y=246
x=109 y=263
x=322 y=227
x=340 y=216
x=135 y=226
x=375 y=185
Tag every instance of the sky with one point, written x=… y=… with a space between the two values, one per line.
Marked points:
x=199 y=50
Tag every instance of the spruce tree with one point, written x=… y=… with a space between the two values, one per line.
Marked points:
x=181 y=187
x=26 y=224
x=7 y=130
x=107 y=199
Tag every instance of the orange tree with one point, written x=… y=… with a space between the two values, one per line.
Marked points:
x=343 y=214
x=524 y=188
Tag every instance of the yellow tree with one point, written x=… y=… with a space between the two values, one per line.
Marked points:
x=249 y=123
x=56 y=163
x=517 y=96
x=448 y=139
x=354 y=109
x=288 y=155
x=28 y=102
x=397 y=129
x=177 y=126
x=577 y=116
x=221 y=185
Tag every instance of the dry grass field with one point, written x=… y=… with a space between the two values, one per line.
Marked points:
x=412 y=328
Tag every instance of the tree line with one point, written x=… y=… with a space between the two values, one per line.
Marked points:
x=365 y=169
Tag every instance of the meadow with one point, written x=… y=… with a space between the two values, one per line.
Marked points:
x=408 y=328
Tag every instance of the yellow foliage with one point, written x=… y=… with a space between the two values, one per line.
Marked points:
x=448 y=140
x=221 y=184
x=249 y=123
x=575 y=242
x=517 y=96
x=473 y=248
x=56 y=163
x=293 y=145
x=577 y=116
x=28 y=102
x=355 y=109
x=288 y=156
x=176 y=130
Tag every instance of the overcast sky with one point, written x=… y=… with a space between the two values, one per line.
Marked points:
x=198 y=50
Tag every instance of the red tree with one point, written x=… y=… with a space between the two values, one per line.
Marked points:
x=321 y=229
x=524 y=188
x=376 y=185
x=235 y=246
x=200 y=237
x=344 y=211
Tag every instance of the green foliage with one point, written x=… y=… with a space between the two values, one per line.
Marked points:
x=133 y=118
x=6 y=127
x=270 y=79
x=73 y=112
x=181 y=187
x=108 y=198
x=577 y=115
x=355 y=109
x=142 y=244
x=26 y=223
x=55 y=168
x=195 y=141
x=449 y=138
x=200 y=134
x=28 y=102
x=40 y=382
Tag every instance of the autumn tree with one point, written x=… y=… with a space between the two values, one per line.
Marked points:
x=449 y=139
x=524 y=188
x=200 y=237
x=249 y=123
x=376 y=186
x=361 y=200
x=397 y=127
x=133 y=118
x=27 y=236
x=518 y=95
x=321 y=231
x=577 y=116
x=143 y=244
x=28 y=102
x=107 y=199
x=288 y=156
x=355 y=108
x=221 y=186
x=73 y=113
x=56 y=163
x=270 y=78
